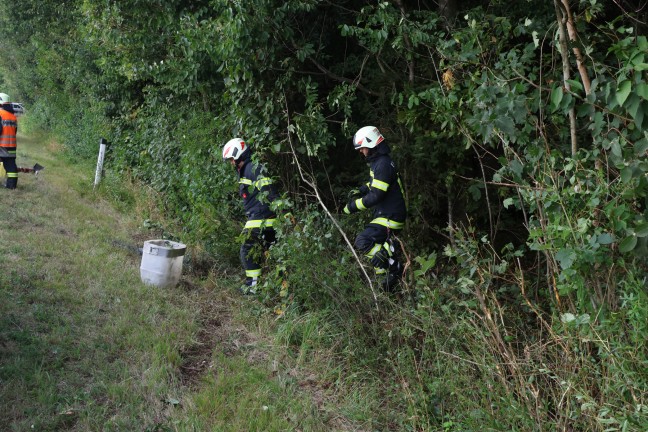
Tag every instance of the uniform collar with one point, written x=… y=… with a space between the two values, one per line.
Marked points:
x=382 y=150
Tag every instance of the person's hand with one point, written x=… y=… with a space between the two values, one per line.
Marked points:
x=353 y=193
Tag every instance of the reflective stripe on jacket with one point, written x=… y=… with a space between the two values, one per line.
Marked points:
x=257 y=191
x=259 y=223
x=9 y=130
x=384 y=194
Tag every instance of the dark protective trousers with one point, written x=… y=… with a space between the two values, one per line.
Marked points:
x=378 y=244
x=257 y=241
x=9 y=164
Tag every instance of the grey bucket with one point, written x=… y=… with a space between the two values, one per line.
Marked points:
x=162 y=263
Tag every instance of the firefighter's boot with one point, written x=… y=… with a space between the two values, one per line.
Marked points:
x=12 y=183
x=393 y=277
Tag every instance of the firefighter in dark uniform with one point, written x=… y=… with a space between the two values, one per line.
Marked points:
x=257 y=192
x=8 y=141
x=385 y=195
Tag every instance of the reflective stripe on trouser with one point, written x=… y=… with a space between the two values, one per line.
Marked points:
x=253 y=273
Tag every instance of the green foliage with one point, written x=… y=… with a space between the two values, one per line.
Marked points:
x=300 y=281
x=477 y=113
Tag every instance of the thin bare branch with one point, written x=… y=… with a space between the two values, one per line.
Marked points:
x=308 y=180
x=339 y=78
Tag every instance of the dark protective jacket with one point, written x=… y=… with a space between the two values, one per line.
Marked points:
x=384 y=192
x=257 y=190
x=8 y=133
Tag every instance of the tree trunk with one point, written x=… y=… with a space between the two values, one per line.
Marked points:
x=564 y=54
x=568 y=18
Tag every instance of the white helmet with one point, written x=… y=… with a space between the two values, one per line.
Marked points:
x=367 y=137
x=234 y=149
x=4 y=97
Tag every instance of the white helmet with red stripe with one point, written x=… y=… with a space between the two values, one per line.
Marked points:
x=367 y=137
x=234 y=149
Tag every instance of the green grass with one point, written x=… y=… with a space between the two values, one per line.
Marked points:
x=85 y=346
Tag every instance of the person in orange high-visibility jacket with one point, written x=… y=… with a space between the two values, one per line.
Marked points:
x=8 y=143
x=257 y=192
x=385 y=196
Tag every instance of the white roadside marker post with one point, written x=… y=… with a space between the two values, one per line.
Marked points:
x=100 y=160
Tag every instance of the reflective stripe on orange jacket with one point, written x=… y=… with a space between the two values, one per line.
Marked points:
x=9 y=130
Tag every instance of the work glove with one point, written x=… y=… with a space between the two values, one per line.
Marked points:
x=353 y=193
x=359 y=192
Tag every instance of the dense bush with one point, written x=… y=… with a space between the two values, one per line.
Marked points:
x=520 y=138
